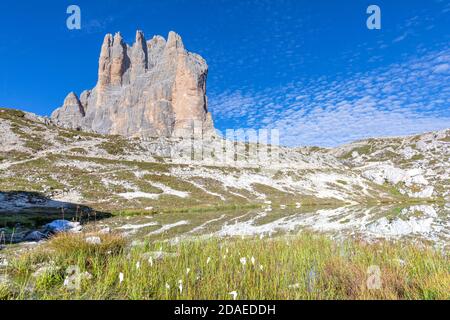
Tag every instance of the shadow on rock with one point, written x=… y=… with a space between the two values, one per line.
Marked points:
x=31 y=216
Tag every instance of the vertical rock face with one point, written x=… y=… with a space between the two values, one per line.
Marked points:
x=104 y=68
x=139 y=57
x=119 y=60
x=153 y=88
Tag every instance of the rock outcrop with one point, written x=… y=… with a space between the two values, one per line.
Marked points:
x=153 y=88
x=71 y=113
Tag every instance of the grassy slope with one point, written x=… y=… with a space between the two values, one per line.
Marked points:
x=40 y=173
x=304 y=267
x=321 y=268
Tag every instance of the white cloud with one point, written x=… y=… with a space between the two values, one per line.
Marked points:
x=442 y=68
x=401 y=99
x=400 y=38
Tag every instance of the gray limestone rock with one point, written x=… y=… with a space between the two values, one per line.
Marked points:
x=154 y=88
x=71 y=114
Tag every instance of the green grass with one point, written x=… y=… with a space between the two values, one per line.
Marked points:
x=18 y=122
x=193 y=209
x=363 y=150
x=78 y=150
x=417 y=157
x=303 y=267
x=7 y=113
x=13 y=156
x=71 y=134
x=32 y=141
x=117 y=145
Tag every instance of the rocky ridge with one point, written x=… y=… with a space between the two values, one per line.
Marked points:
x=389 y=187
x=387 y=170
x=154 y=88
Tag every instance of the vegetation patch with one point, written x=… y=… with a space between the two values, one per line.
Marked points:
x=118 y=145
x=11 y=114
x=302 y=267
x=363 y=150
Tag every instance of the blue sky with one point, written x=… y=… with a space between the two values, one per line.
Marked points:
x=309 y=68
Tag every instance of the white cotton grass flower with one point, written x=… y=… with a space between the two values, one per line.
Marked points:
x=121 y=277
x=400 y=262
x=138 y=265
x=253 y=260
x=180 y=286
x=243 y=261
x=261 y=267
x=150 y=261
x=234 y=294
x=66 y=282
x=226 y=250
x=188 y=270
x=167 y=286
x=208 y=260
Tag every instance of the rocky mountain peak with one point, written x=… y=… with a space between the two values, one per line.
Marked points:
x=71 y=112
x=139 y=56
x=150 y=89
x=174 y=42
x=71 y=98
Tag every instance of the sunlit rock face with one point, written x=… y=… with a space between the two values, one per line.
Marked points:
x=71 y=113
x=153 y=88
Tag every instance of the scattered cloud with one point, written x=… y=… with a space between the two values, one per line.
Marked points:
x=96 y=25
x=400 y=38
x=400 y=99
x=442 y=68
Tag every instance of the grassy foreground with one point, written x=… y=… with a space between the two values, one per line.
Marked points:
x=303 y=267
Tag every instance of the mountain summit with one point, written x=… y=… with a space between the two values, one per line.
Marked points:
x=153 y=88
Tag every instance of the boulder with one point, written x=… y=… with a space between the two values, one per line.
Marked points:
x=35 y=236
x=58 y=226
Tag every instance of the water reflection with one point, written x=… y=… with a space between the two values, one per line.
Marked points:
x=428 y=222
